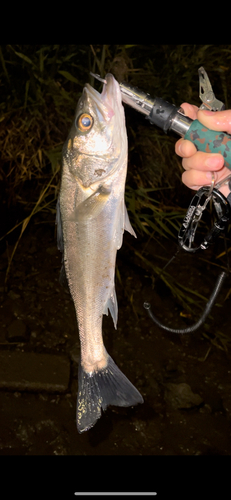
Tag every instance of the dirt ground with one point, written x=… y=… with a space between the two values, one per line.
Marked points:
x=185 y=380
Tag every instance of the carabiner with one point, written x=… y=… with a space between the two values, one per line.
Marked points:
x=194 y=213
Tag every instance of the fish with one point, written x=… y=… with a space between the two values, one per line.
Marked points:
x=91 y=219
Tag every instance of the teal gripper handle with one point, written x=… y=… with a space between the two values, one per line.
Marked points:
x=210 y=141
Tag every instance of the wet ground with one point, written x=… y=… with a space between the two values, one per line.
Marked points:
x=185 y=380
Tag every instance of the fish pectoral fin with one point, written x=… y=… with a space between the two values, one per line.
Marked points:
x=112 y=305
x=92 y=206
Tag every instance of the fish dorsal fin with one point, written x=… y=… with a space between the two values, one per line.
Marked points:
x=127 y=223
x=123 y=224
x=58 y=221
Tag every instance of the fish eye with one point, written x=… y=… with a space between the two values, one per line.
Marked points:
x=85 y=122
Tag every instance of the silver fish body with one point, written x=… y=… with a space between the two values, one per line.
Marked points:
x=91 y=218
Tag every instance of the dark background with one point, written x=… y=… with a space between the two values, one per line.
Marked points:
x=40 y=86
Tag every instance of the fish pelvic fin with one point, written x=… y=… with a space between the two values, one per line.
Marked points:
x=100 y=389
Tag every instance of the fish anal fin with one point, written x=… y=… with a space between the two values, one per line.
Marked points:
x=112 y=305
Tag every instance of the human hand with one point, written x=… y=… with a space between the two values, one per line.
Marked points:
x=197 y=164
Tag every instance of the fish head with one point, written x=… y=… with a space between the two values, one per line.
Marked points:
x=97 y=142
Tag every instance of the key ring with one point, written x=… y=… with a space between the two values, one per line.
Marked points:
x=212 y=185
x=226 y=180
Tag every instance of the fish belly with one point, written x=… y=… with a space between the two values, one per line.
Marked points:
x=90 y=267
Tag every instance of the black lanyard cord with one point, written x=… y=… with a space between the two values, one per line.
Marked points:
x=208 y=307
x=186 y=238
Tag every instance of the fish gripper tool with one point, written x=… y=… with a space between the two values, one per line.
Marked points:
x=169 y=117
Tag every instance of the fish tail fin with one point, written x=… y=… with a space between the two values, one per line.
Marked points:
x=100 y=389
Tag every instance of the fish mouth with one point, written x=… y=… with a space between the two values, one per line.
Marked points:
x=108 y=99
x=111 y=92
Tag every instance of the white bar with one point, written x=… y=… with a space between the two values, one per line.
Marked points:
x=127 y=493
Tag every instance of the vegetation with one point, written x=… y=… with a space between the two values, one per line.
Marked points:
x=40 y=86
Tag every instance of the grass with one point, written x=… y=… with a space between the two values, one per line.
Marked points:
x=40 y=86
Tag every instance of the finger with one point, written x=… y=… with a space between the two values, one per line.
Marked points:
x=203 y=161
x=220 y=120
x=185 y=148
x=190 y=110
x=194 y=179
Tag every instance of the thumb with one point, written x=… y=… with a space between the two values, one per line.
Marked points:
x=218 y=120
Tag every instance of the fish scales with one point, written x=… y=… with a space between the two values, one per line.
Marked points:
x=91 y=218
